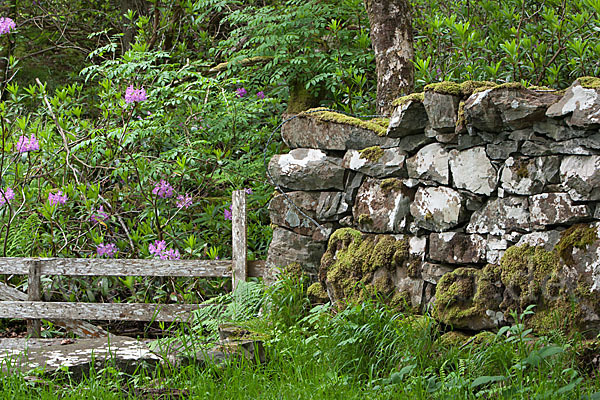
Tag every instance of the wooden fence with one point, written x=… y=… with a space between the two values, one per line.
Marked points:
x=16 y=304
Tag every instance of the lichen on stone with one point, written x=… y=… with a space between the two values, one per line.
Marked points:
x=372 y=154
x=589 y=82
x=365 y=219
x=416 y=97
x=390 y=184
x=323 y=114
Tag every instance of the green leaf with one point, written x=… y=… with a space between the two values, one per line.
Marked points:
x=483 y=380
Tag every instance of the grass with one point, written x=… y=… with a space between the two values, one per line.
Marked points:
x=359 y=351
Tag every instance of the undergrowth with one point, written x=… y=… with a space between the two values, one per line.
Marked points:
x=359 y=351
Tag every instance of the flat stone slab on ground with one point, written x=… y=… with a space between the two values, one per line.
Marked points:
x=74 y=355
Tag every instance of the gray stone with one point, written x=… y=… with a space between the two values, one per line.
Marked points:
x=432 y=273
x=407 y=119
x=328 y=204
x=76 y=356
x=312 y=132
x=529 y=176
x=288 y=247
x=580 y=104
x=442 y=110
x=578 y=146
x=546 y=239
x=473 y=171
x=495 y=248
x=307 y=169
x=500 y=216
x=468 y=141
x=353 y=182
x=555 y=208
x=557 y=131
x=502 y=150
x=523 y=134
x=376 y=162
x=580 y=175
x=457 y=248
x=383 y=206
x=494 y=110
x=437 y=208
x=430 y=163
x=410 y=144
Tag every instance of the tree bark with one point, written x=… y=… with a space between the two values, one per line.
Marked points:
x=141 y=7
x=392 y=41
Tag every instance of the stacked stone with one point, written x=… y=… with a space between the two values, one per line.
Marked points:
x=463 y=172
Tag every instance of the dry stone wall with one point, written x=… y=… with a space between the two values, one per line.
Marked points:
x=473 y=200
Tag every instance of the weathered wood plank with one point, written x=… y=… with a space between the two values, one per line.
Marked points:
x=80 y=328
x=118 y=267
x=34 y=293
x=238 y=234
x=98 y=311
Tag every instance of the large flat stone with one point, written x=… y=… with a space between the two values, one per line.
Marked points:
x=312 y=132
x=430 y=163
x=76 y=356
x=500 y=216
x=511 y=108
x=580 y=175
x=527 y=176
x=288 y=247
x=407 y=119
x=437 y=208
x=556 y=208
x=442 y=110
x=383 y=206
x=473 y=171
x=581 y=105
x=376 y=162
x=307 y=169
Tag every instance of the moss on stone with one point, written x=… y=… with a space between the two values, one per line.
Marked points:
x=460 y=119
x=577 y=236
x=400 y=301
x=467 y=88
x=589 y=82
x=414 y=269
x=330 y=116
x=562 y=315
x=365 y=219
x=522 y=171
x=317 y=293
x=357 y=266
x=446 y=87
x=381 y=121
x=372 y=154
x=416 y=97
x=390 y=184
x=452 y=339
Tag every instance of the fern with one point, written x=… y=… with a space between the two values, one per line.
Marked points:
x=23 y=236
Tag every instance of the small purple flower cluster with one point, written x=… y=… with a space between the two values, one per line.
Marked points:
x=25 y=144
x=159 y=249
x=58 y=198
x=242 y=92
x=6 y=196
x=6 y=25
x=163 y=189
x=228 y=213
x=184 y=201
x=106 y=250
x=99 y=215
x=133 y=95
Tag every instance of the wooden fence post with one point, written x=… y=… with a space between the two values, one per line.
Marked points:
x=238 y=233
x=34 y=293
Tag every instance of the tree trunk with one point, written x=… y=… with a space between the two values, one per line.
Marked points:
x=392 y=40
x=141 y=8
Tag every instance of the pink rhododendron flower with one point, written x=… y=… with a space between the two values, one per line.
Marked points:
x=241 y=92
x=25 y=144
x=58 y=198
x=6 y=25
x=163 y=189
x=106 y=250
x=227 y=213
x=6 y=195
x=184 y=201
x=170 y=255
x=159 y=249
x=133 y=95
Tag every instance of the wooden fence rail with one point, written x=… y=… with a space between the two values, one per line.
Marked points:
x=15 y=304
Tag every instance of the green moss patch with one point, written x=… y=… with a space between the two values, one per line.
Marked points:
x=317 y=293
x=391 y=184
x=589 y=82
x=357 y=266
x=372 y=154
x=417 y=97
x=577 y=236
x=377 y=126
